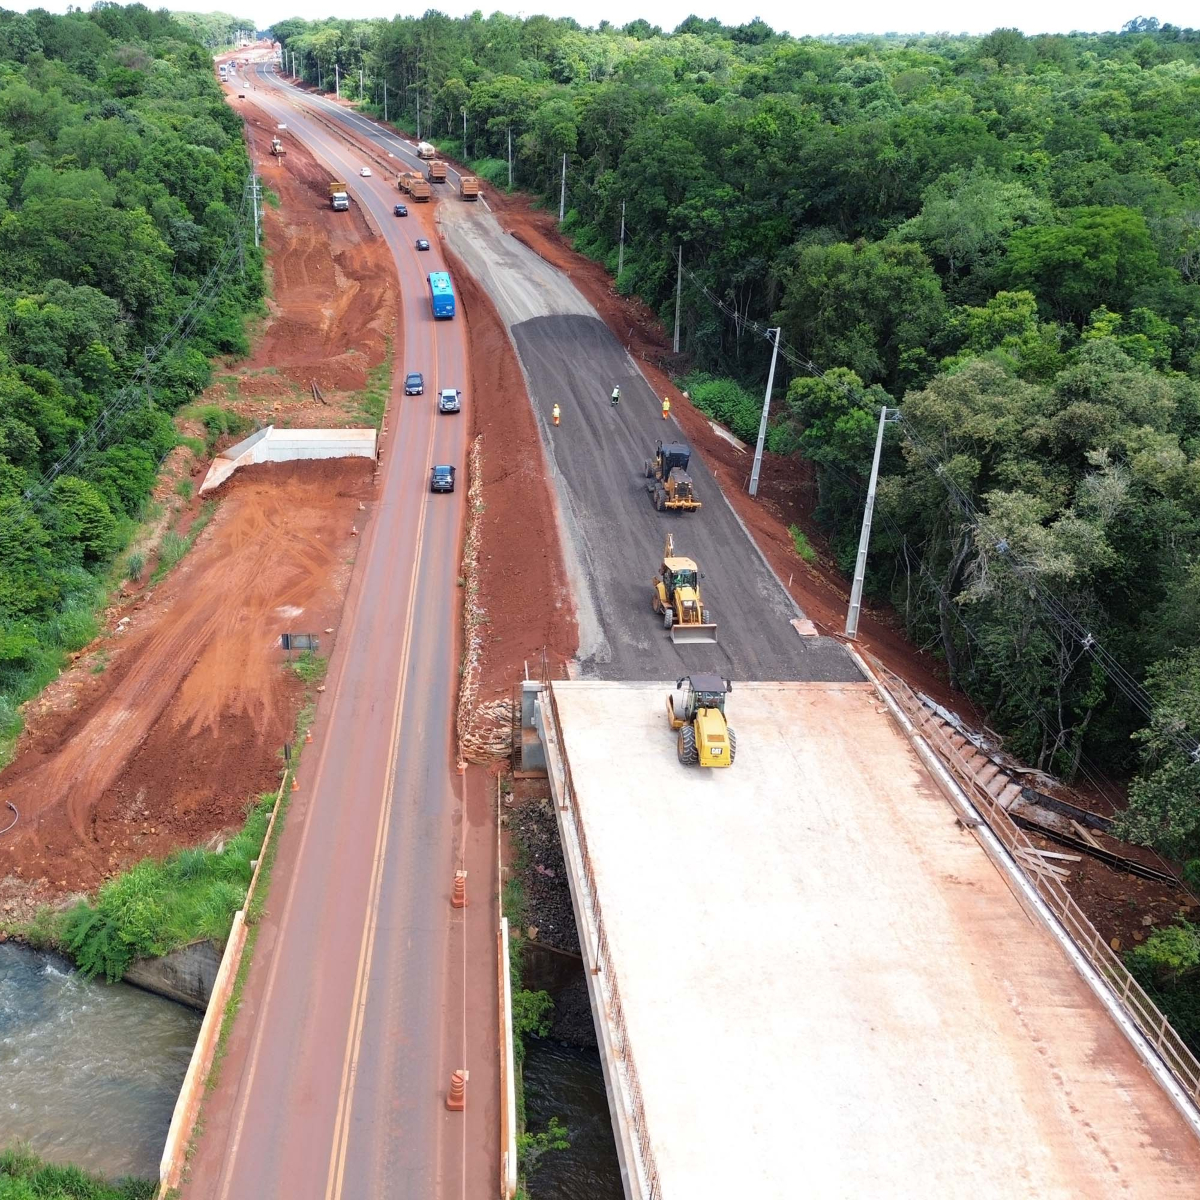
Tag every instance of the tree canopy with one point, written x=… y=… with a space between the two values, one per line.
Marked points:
x=122 y=172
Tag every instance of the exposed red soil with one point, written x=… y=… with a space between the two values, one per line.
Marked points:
x=333 y=304
x=185 y=722
x=523 y=578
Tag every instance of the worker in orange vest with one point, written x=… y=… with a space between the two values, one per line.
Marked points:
x=666 y=407
x=555 y=414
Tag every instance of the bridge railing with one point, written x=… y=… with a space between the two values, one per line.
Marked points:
x=1144 y=1013
x=603 y=967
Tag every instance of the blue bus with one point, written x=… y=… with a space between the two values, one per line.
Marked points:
x=442 y=294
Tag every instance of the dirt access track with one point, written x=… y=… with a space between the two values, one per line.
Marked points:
x=165 y=744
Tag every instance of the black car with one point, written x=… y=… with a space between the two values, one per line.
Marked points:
x=441 y=479
x=401 y=210
x=414 y=384
x=422 y=244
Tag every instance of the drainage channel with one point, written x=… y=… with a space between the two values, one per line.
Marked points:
x=91 y=1071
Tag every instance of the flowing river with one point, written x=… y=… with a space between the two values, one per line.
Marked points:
x=565 y=1082
x=89 y=1072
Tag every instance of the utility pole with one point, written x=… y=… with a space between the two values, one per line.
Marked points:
x=464 y=115
x=762 y=424
x=510 y=158
x=385 y=101
x=562 y=195
x=860 y=565
x=621 y=247
x=678 y=293
x=337 y=80
x=360 y=81
x=254 y=198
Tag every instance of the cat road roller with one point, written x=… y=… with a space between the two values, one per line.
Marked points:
x=696 y=710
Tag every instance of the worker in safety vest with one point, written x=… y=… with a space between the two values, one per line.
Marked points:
x=556 y=414
x=666 y=407
x=616 y=395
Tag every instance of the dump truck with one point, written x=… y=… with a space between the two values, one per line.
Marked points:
x=696 y=711
x=676 y=598
x=670 y=485
x=339 y=198
x=425 y=150
x=419 y=188
x=277 y=148
x=468 y=187
x=404 y=180
x=437 y=172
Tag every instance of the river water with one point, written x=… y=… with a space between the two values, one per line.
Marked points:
x=565 y=1082
x=89 y=1072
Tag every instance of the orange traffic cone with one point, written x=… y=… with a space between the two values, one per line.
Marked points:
x=458 y=898
x=456 y=1097
x=295 y=784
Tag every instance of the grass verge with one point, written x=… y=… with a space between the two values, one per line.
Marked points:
x=372 y=400
x=24 y=1176
x=802 y=544
x=174 y=545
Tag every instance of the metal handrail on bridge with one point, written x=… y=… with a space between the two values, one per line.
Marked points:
x=603 y=966
x=1144 y=1013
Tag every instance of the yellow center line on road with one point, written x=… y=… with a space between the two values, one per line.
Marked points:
x=341 y=1137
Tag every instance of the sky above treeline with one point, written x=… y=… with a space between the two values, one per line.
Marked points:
x=867 y=16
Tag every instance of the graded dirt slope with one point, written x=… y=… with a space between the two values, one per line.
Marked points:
x=165 y=745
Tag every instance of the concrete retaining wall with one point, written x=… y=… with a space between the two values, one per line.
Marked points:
x=187 y=976
x=288 y=445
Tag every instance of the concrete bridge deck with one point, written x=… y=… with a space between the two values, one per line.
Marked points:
x=813 y=981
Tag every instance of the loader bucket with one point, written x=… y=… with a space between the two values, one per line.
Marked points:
x=693 y=634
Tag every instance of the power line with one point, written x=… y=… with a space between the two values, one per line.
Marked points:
x=135 y=390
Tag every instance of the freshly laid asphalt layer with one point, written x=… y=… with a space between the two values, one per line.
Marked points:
x=598 y=456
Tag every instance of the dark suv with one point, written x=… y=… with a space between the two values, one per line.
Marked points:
x=441 y=479
x=414 y=384
x=401 y=210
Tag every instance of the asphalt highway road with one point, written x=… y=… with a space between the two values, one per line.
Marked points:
x=367 y=989
x=597 y=458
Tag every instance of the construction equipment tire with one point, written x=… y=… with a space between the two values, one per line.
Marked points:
x=668 y=618
x=704 y=617
x=649 y=470
x=732 y=744
x=660 y=499
x=685 y=747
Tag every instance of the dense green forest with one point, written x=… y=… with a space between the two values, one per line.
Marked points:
x=122 y=175
x=999 y=236
x=216 y=30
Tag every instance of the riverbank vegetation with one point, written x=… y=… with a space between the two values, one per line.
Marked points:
x=24 y=1176
x=123 y=269
x=999 y=235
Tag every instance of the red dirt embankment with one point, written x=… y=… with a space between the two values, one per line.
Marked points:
x=334 y=297
x=526 y=591
x=787 y=488
x=185 y=718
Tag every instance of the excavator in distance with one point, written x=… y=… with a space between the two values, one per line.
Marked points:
x=676 y=598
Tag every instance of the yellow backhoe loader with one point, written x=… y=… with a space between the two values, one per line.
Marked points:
x=676 y=598
x=670 y=484
x=696 y=710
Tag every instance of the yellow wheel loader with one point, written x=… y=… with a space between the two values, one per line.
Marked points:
x=676 y=598
x=696 y=710
x=670 y=484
